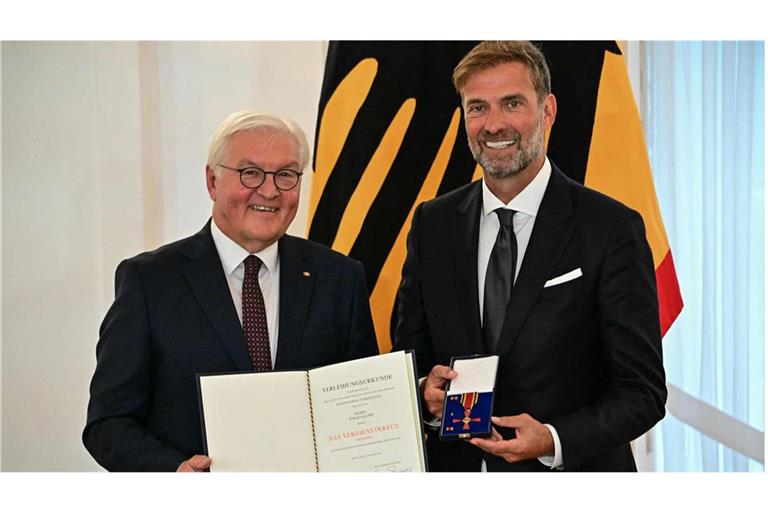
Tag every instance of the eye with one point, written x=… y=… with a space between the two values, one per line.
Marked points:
x=250 y=172
x=475 y=108
x=286 y=173
x=513 y=104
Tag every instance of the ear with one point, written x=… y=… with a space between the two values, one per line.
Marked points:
x=210 y=182
x=550 y=111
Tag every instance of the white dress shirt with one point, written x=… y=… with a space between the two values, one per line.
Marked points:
x=526 y=204
x=232 y=255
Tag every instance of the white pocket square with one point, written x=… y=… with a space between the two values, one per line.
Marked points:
x=568 y=276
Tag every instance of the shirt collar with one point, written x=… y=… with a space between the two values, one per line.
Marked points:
x=527 y=201
x=232 y=254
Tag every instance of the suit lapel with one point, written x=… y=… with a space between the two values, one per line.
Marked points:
x=202 y=270
x=467 y=230
x=297 y=280
x=550 y=235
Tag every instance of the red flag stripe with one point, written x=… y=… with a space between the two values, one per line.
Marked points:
x=670 y=301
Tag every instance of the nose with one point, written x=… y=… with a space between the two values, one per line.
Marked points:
x=268 y=190
x=494 y=121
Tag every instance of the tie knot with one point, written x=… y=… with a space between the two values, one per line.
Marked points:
x=505 y=216
x=252 y=264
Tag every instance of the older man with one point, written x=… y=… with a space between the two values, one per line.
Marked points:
x=553 y=277
x=240 y=295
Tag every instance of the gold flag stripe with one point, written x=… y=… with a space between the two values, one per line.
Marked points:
x=630 y=182
x=335 y=124
x=383 y=297
x=478 y=173
x=373 y=177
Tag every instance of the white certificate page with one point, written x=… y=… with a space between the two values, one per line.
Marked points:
x=366 y=415
x=258 y=422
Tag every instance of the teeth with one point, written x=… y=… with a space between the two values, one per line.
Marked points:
x=261 y=208
x=500 y=144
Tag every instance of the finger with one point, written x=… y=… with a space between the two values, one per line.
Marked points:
x=509 y=421
x=435 y=399
x=436 y=409
x=487 y=445
x=481 y=443
x=199 y=462
x=440 y=374
x=507 y=449
x=184 y=467
x=434 y=395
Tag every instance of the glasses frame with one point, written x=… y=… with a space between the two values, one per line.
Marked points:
x=266 y=173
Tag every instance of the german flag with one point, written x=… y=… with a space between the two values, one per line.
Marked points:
x=389 y=136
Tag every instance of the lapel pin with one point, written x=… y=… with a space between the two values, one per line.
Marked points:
x=305 y=273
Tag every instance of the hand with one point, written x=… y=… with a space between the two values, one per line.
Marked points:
x=195 y=464
x=533 y=439
x=433 y=388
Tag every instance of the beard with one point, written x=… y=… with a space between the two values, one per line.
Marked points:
x=505 y=166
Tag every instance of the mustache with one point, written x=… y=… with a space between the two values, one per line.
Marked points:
x=510 y=135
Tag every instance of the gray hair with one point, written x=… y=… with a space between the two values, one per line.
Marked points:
x=247 y=120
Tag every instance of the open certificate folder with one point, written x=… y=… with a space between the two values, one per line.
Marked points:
x=361 y=415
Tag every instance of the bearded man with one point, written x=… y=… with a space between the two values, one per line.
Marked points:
x=554 y=278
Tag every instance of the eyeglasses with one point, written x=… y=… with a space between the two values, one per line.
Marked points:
x=254 y=177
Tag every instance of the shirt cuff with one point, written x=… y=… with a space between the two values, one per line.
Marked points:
x=556 y=461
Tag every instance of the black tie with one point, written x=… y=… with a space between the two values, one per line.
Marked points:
x=499 y=278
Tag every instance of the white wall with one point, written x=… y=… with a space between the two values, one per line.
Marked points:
x=104 y=147
x=1 y=260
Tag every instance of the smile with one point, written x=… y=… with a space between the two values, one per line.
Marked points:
x=500 y=144
x=262 y=208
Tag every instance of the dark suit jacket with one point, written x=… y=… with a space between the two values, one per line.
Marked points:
x=173 y=317
x=584 y=356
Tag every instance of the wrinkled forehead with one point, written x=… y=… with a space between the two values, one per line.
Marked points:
x=506 y=79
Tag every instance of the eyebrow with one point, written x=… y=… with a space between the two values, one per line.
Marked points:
x=508 y=97
x=517 y=97
x=245 y=162
x=474 y=101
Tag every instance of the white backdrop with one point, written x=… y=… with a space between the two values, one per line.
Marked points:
x=103 y=156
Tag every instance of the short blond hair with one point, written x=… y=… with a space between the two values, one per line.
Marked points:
x=246 y=120
x=489 y=54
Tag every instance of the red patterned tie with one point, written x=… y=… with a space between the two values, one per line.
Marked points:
x=255 y=317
